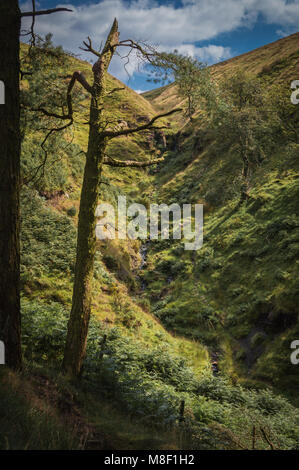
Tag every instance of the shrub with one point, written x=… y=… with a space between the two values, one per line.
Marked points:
x=72 y=211
x=43 y=331
x=257 y=339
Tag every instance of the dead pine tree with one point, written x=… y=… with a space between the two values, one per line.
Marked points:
x=99 y=136
x=100 y=133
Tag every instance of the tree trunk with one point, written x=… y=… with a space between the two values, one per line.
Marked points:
x=245 y=183
x=10 y=322
x=245 y=171
x=86 y=241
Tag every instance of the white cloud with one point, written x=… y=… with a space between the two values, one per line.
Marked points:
x=165 y=25
x=207 y=54
x=283 y=12
x=27 y=5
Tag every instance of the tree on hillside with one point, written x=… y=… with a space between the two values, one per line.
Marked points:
x=10 y=317
x=46 y=140
x=240 y=115
x=189 y=75
x=244 y=122
x=10 y=324
x=101 y=131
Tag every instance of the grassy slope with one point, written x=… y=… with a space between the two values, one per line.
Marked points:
x=246 y=275
x=281 y=57
x=126 y=106
x=51 y=407
x=130 y=107
x=48 y=250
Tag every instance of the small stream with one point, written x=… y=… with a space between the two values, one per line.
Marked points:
x=214 y=355
x=143 y=253
x=214 y=363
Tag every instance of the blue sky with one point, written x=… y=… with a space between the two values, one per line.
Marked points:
x=212 y=30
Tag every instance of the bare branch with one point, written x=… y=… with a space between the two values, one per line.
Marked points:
x=32 y=42
x=253 y=437
x=89 y=48
x=114 y=90
x=48 y=113
x=43 y=12
x=147 y=52
x=130 y=163
x=267 y=438
x=24 y=73
x=81 y=79
x=149 y=125
x=112 y=39
x=43 y=164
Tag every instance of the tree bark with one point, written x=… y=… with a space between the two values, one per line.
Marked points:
x=86 y=241
x=95 y=158
x=245 y=172
x=10 y=321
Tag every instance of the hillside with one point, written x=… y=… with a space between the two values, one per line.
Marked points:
x=240 y=292
x=278 y=61
x=143 y=361
x=160 y=315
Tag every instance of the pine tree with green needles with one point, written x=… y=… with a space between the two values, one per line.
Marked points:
x=189 y=74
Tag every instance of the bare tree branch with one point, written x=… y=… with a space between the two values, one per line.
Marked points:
x=43 y=12
x=149 y=125
x=267 y=438
x=130 y=163
x=89 y=48
x=253 y=437
x=114 y=90
x=32 y=42
x=147 y=52
x=81 y=79
x=43 y=164
x=48 y=113
x=23 y=73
